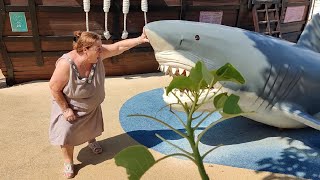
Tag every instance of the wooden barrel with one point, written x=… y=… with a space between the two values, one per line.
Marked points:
x=31 y=55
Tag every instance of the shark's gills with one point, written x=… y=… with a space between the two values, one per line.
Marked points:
x=310 y=37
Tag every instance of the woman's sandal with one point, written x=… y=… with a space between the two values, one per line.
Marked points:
x=68 y=170
x=95 y=147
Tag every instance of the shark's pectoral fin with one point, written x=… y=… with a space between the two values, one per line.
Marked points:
x=298 y=114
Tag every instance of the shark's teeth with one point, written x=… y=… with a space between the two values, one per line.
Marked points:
x=187 y=73
x=165 y=70
x=173 y=70
x=180 y=70
x=162 y=68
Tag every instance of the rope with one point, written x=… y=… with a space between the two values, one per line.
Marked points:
x=106 y=7
x=86 y=8
x=125 y=10
x=144 y=8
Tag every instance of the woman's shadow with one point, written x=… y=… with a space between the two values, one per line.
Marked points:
x=111 y=147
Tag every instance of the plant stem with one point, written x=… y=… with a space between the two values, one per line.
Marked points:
x=201 y=169
x=197 y=157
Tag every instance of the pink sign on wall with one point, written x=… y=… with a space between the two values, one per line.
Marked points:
x=294 y=13
x=214 y=17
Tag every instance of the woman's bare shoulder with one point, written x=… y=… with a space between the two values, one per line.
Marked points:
x=63 y=60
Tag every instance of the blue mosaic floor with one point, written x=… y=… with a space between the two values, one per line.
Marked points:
x=246 y=143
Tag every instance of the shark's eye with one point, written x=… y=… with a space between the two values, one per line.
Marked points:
x=197 y=37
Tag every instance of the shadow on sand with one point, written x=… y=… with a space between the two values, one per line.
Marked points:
x=111 y=147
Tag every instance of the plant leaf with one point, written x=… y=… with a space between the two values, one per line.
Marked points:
x=196 y=76
x=219 y=100
x=207 y=76
x=231 y=105
x=180 y=82
x=136 y=159
x=196 y=73
x=229 y=73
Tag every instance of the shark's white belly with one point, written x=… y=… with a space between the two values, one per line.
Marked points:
x=255 y=108
x=266 y=113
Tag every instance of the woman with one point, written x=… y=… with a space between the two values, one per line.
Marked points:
x=77 y=87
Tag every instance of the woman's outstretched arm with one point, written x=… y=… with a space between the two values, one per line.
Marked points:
x=109 y=50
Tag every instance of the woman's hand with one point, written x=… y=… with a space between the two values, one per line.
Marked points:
x=69 y=115
x=143 y=38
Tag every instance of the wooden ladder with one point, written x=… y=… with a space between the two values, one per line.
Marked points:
x=266 y=17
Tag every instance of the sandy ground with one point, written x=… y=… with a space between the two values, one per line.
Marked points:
x=27 y=154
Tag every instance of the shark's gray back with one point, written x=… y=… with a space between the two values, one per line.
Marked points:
x=276 y=69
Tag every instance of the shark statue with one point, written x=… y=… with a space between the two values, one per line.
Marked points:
x=282 y=78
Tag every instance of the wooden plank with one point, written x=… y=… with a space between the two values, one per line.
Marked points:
x=20 y=62
x=29 y=38
x=33 y=73
x=79 y=9
x=142 y=48
x=35 y=31
x=215 y=3
x=221 y=7
x=33 y=54
x=292 y=27
x=183 y=10
x=27 y=69
x=62 y=2
x=17 y=38
x=255 y=18
x=5 y=57
x=243 y=6
x=127 y=63
x=48 y=43
x=115 y=34
x=132 y=63
x=65 y=25
x=20 y=46
x=16 y=2
x=10 y=8
x=56 y=46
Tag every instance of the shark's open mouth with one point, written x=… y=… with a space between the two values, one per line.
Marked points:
x=176 y=62
x=184 y=96
x=173 y=71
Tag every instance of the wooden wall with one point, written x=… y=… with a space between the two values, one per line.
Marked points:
x=31 y=55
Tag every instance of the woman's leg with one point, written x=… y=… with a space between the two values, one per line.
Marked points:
x=94 y=146
x=67 y=152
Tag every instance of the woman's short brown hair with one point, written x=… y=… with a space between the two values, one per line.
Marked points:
x=84 y=39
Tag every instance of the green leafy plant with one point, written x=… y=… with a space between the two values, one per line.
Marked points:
x=137 y=159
